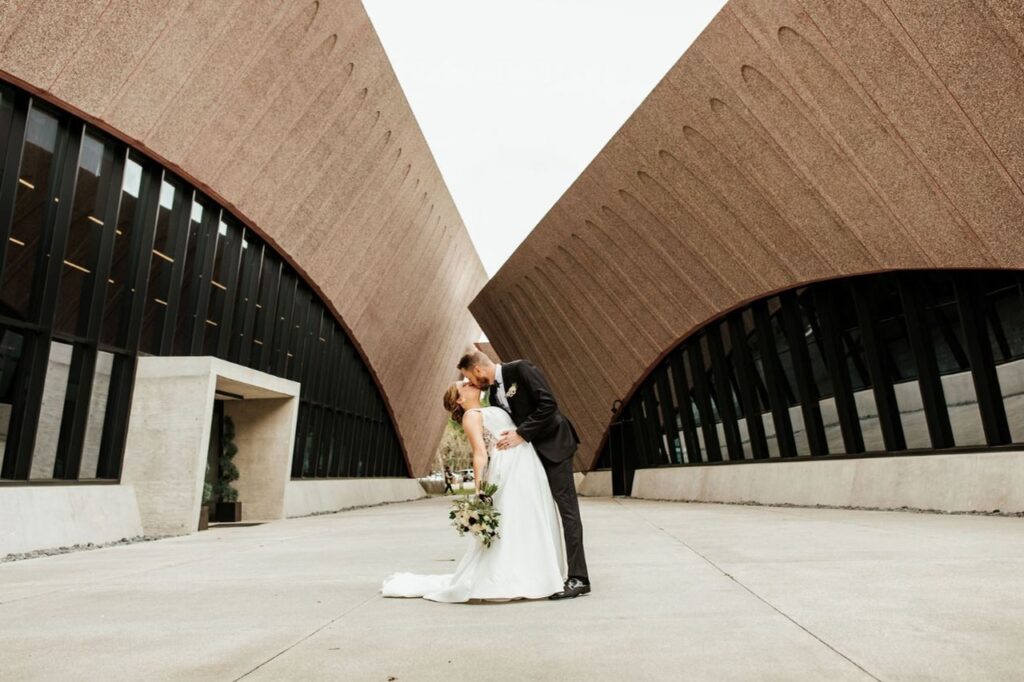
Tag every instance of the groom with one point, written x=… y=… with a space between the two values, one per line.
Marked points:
x=521 y=389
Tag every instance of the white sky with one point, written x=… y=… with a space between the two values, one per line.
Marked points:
x=516 y=98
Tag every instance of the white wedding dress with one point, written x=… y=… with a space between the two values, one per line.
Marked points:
x=527 y=560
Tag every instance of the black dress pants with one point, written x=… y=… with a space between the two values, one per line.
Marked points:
x=563 y=489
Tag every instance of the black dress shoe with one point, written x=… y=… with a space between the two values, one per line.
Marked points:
x=574 y=587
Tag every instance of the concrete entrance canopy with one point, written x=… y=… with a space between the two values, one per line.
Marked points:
x=168 y=440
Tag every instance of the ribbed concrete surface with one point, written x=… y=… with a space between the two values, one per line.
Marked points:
x=796 y=140
x=696 y=592
x=290 y=112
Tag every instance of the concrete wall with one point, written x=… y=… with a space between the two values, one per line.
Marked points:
x=289 y=113
x=169 y=435
x=45 y=516
x=309 y=497
x=959 y=482
x=265 y=436
x=794 y=141
x=595 y=484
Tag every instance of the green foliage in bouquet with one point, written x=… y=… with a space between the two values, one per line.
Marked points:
x=222 y=490
x=470 y=514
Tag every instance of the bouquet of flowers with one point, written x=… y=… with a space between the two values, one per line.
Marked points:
x=476 y=515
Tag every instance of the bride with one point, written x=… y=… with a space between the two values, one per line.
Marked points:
x=527 y=560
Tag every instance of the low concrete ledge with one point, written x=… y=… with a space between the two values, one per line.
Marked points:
x=595 y=484
x=302 y=498
x=45 y=517
x=975 y=482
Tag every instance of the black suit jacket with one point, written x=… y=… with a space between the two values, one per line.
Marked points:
x=535 y=411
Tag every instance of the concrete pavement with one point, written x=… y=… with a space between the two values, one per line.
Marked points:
x=682 y=591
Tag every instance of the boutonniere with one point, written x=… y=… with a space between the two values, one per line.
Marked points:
x=511 y=391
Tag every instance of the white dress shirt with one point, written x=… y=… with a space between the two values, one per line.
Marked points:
x=502 y=399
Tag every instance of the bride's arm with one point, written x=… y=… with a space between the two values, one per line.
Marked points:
x=473 y=425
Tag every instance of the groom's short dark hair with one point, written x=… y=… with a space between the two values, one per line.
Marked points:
x=472 y=359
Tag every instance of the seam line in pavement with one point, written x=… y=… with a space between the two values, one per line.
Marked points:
x=750 y=591
x=292 y=646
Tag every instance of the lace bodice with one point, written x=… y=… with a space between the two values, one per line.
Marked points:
x=495 y=421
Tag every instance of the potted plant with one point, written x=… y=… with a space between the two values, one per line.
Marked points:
x=204 y=511
x=228 y=507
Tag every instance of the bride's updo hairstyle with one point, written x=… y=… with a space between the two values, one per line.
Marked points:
x=451 y=403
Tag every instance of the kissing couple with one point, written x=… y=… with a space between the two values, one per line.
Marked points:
x=524 y=445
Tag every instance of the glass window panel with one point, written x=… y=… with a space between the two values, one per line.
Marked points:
x=300 y=330
x=192 y=272
x=248 y=279
x=88 y=212
x=35 y=193
x=119 y=289
x=1005 y=316
x=172 y=202
x=267 y=293
x=55 y=388
x=97 y=415
x=815 y=347
x=229 y=234
x=12 y=345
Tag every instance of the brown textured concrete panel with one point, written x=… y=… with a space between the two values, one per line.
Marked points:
x=795 y=141
x=289 y=113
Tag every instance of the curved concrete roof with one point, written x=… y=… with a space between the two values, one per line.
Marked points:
x=796 y=140
x=288 y=112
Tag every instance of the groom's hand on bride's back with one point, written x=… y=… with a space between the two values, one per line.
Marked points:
x=509 y=439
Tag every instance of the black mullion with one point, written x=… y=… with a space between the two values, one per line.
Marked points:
x=305 y=322
x=24 y=422
x=338 y=450
x=702 y=397
x=747 y=383
x=57 y=223
x=359 y=451
x=143 y=236
x=726 y=408
x=9 y=172
x=17 y=462
x=233 y=264
x=655 y=449
x=319 y=438
x=332 y=362
x=933 y=397
x=632 y=459
x=115 y=421
x=881 y=385
x=825 y=307
x=178 y=235
x=971 y=305
x=378 y=435
x=378 y=448
x=249 y=291
x=282 y=326
x=668 y=412
x=75 y=418
x=810 y=407
x=693 y=449
x=775 y=380
x=96 y=282
x=205 y=254
x=273 y=277
x=347 y=467
x=322 y=353
x=300 y=440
